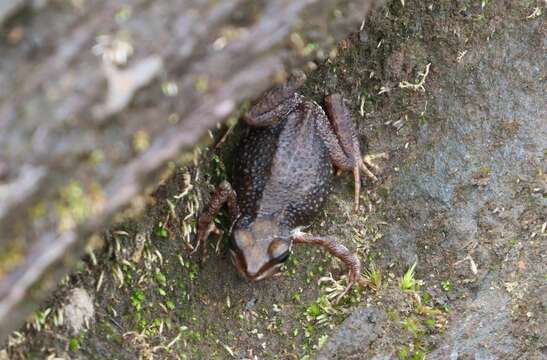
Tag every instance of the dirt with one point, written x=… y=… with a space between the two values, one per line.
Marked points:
x=462 y=197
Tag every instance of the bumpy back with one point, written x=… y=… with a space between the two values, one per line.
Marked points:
x=283 y=172
x=252 y=167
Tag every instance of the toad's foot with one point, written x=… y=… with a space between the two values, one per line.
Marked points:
x=344 y=292
x=337 y=289
x=223 y=195
x=338 y=250
x=368 y=167
x=202 y=240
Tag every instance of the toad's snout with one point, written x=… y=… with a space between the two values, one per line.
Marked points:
x=253 y=273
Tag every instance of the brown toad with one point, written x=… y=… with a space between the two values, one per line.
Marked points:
x=283 y=172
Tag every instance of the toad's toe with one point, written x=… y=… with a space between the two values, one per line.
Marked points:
x=368 y=166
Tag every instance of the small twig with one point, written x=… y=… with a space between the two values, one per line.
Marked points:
x=420 y=84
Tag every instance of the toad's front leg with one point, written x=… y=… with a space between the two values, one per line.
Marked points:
x=340 y=251
x=224 y=194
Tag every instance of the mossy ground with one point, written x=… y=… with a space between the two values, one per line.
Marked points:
x=154 y=300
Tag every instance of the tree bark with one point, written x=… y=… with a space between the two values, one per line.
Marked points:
x=96 y=99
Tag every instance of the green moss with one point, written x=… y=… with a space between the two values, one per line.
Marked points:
x=137 y=299
x=38 y=211
x=74 y=205
x=413 y=325
x=161 y=230
x=314 y=310
x=74 y=344
x=447 y=285
x=11 y=256
x=111 y=333
x=406 y=353
x=485 y=171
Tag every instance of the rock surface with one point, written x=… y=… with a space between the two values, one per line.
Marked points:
x=463 y=196
x=469 y=199
x=98 y=96
x=352 y=339
x=78 y=311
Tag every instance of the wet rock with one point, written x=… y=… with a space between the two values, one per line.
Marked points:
x=482 y=331
x=79 y=311
x=400 y=244
x=464 y=179
x=465 y=186
x=355 y=335
x=457 y=205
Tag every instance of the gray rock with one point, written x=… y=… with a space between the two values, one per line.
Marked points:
x=492 y=131
x=354 y=336
x=8 y=8
x=400 y=241
x=78 y=311
x=482 y=331
x=459 y=198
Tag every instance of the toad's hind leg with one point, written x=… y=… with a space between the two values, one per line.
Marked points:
x=224 y=194
x=340 y=137
x=276 y=103
x=335 y=249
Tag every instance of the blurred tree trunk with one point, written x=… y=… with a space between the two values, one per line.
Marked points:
x=97 y=96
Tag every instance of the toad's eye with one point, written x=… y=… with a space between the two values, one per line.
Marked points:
x=279 y=250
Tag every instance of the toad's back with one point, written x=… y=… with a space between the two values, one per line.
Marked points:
x=283 y=171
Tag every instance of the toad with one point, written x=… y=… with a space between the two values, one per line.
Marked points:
x=283 y=173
